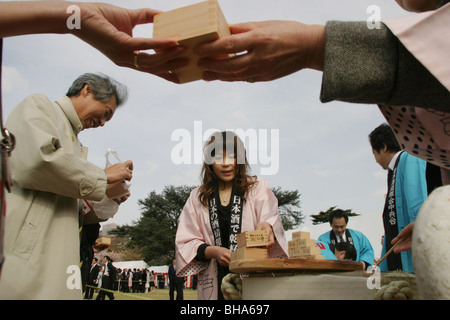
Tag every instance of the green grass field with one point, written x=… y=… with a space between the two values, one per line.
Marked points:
x=158 y=294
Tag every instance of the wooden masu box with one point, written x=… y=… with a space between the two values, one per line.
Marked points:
x=190 y=26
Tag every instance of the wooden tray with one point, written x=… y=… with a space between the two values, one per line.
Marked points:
x=252 y=266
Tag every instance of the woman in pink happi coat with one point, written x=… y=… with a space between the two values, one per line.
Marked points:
x=228 y=202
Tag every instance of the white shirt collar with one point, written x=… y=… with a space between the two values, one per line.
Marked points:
x=343 y=236
x=394 y=160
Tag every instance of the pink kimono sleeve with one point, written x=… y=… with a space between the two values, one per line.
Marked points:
x=190 y=235
x=426 y=35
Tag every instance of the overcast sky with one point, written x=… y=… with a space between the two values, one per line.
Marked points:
x=323 y=149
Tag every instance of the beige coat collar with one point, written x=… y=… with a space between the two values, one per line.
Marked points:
x=69 y=110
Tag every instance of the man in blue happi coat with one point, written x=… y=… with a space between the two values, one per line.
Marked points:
x=407 y=190
x=340 y=233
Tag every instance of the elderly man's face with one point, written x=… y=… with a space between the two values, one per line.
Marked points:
x=418 y=5
x=98 y=113
x=94 y=113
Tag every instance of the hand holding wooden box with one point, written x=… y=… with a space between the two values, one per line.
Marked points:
x=251 y=239
x=190 y=26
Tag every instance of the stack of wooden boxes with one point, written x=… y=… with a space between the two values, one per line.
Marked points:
x=251 y=245
x=190 y=26
x=303 y=247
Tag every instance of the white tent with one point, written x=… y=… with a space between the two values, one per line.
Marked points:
x=138 y=264
x=159 y=269
x=370 y=225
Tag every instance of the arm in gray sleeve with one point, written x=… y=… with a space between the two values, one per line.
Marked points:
x=371 y=66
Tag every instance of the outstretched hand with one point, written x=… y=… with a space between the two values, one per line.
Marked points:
x=109 y=29
x=263 y=51
x=106 y=27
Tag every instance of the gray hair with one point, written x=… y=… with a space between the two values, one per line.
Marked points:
x=102 y=88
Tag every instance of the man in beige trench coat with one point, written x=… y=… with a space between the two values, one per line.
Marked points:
x=50 y=176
